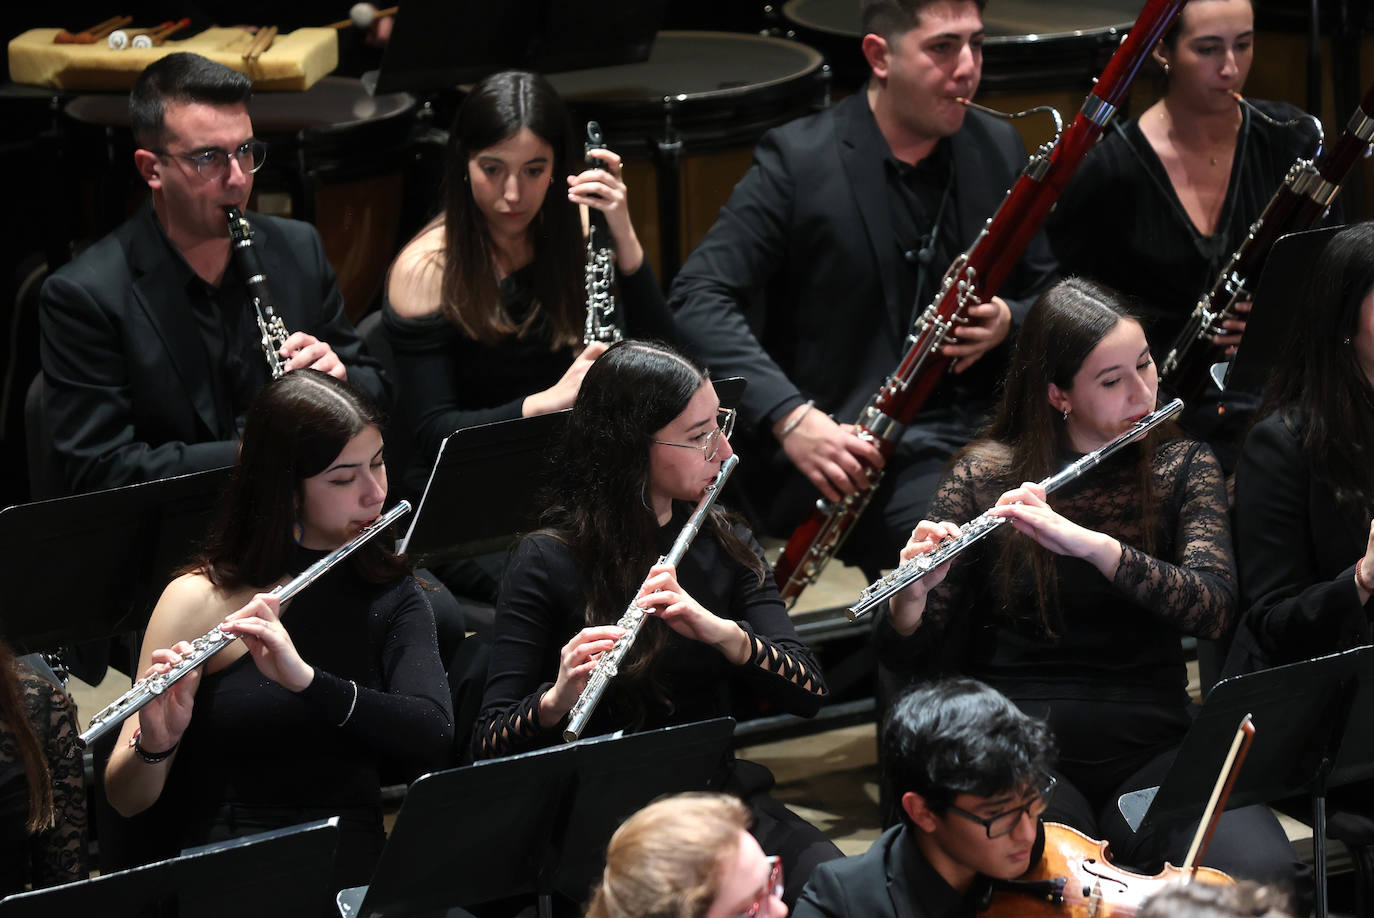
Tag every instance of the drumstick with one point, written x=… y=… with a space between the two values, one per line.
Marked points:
x=160 y=34
x=362 y=15
x=93 y=34
x=261 y=43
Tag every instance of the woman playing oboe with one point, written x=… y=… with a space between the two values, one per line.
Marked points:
x=644 y=439
x=1077 y=614
x=298 y=719
x=485 y=307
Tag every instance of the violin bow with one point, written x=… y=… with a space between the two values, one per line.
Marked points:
x=1230 y=769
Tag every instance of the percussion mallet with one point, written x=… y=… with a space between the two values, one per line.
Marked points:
x=160 y=34
x=120 y=39
x=93 y=34
x=363 y=15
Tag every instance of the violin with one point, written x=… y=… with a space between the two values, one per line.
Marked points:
x=1075 y=879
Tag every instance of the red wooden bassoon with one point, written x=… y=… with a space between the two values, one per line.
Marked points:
x=1298 y=204
x=973 y=278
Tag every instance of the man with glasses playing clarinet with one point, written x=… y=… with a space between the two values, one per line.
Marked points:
x=150 y=342
x=971 y=774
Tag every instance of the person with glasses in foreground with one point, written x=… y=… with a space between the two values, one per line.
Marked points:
x=1076 y=610
x=971 y=774
x=645 y=438
x=150 y=346
x=689 y=856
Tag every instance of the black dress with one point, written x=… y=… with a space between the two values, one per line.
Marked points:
x=449 y=381
x=55 y=855
x=1106 y=669
x=542 y=605
x=258 y=756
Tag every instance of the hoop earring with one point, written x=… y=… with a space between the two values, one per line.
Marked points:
x=644 y=497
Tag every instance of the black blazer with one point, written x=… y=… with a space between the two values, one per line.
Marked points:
x=127 y=397
x=1296 y=549
x=879 y=884
x=795 y=286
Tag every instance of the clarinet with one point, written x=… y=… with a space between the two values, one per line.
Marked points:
x=600 y=267
x=215 y=640
x=973 y=278
x=270 y=325
x=633 y=618
x=1300 y=202
x=975 y=530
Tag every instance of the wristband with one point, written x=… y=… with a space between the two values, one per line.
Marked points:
x=152 y=758
x=795 y=422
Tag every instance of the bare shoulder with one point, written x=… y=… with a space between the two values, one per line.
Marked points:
x=415 y=282
x=190 y=606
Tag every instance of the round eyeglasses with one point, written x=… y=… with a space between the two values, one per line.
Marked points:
x=709 y=443
x=772 y=889
x=212 y=164
x=1003 y=823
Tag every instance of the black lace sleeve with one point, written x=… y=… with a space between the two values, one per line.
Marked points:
x=58 y=854
x=931 y=648
x=1197 y=593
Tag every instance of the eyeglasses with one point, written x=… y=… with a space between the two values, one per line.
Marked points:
x=709 y=443
x=772 y=889
x=1003 y=823
x=213 y=164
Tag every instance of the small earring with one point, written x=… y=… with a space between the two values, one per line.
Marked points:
x=1166 y=68
x=1346 y=340
x=1066 y=414
x=297 y=531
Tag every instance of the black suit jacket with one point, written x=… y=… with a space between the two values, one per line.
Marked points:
x=1296 y=549
x=883 y=882
x=795 y=286
x=128 y=397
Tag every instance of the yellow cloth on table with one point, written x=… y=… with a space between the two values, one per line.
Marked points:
x=296 y=61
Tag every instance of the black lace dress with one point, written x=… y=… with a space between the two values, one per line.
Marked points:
x=1103 y=663
x=55 y=855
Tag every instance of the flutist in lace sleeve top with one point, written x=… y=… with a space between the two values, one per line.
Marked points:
x=646 y=436
x=1077 y=615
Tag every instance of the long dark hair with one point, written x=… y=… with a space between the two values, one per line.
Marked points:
x=599 y=504
x=295 y=428
x=497 y=108
x=1320 y=381
x=14 y=718
x=1030 y=437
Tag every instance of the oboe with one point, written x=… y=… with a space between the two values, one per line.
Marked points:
x=215 y=640
x=599 y=272
x=608 y=664
x=976 y=529
x=270 y=325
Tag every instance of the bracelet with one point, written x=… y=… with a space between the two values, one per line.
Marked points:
x=1361 y=582
x=152 y=758
x=353 y=704
x=796 y=422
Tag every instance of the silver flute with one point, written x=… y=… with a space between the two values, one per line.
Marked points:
x=914 y=569
x=270 y=325
x=608 y=664
x=215 y=640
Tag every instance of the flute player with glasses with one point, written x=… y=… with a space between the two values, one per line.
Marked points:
x=646 y=437
x=299 y=718
x=1075 y=611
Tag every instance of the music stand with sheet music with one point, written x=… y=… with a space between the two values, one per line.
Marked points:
x=284 y=873
x=125 y=543
x=482 y=490
x=1302 y=746
x=532 y=824
x=438 y=44
x=1279 y=294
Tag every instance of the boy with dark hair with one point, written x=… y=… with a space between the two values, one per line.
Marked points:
x=972 y=775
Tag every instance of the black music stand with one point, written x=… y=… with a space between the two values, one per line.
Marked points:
x=112 y=552
x=1279 y=294
x=438 y=44
x=280 y=874
x=483 y=489
x=533 y=824
x=1302 y=745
